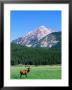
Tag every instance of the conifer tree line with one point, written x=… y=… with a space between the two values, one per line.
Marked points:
x=34 y=56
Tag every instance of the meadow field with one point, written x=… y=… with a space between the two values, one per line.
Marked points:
x=37 y=72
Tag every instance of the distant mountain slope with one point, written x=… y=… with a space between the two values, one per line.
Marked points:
x=41 y=37
x=33 y=37
x=51 y=40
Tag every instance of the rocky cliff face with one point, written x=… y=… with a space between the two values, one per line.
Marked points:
x=41 y=37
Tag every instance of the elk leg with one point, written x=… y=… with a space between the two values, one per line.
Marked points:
x=26 y=75
x=20 y=75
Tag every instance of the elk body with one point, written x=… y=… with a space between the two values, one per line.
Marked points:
x=24 y=72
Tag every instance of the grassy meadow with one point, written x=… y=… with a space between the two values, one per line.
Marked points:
x=37 y=72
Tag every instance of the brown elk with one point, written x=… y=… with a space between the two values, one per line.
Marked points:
x=24 y=72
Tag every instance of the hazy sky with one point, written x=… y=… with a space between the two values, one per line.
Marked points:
x=26 y=21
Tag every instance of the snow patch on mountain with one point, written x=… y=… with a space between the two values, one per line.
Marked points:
x=35 y=38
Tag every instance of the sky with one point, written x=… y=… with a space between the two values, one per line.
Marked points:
x=22 y=22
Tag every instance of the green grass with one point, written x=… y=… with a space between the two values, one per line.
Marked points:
x=37 y=72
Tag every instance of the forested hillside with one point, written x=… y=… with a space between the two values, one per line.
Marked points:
x=34 y=56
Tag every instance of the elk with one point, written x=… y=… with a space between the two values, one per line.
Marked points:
x=24 y=72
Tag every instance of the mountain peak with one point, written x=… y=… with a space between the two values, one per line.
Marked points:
x=42 y=27
x=34 y=37
x=42 y=31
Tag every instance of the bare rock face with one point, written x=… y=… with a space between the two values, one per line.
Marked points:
x=40 y=37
